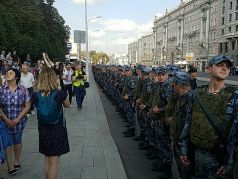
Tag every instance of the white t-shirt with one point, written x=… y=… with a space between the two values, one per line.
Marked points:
x=27 y=80
x=68 y=74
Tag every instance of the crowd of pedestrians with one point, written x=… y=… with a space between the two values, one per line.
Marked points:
x=47 y=87
x=174 y=118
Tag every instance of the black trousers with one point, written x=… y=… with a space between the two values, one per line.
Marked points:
x=68 y=88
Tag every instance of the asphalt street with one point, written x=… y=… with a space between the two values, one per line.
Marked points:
x=136 y=164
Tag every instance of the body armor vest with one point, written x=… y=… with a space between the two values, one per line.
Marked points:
x=202 y=133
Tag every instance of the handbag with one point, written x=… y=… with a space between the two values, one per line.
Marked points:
x=86 y=84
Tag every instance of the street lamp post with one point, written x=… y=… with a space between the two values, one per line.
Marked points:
x=86 y=38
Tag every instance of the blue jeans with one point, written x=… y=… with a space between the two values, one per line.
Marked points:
x=79 y=92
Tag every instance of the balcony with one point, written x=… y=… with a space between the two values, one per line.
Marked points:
x=172 y=38
x=231 y=35
x=191 y=34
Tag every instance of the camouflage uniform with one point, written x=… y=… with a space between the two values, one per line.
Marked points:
x=144 y=98
x=129 y=89
x=232 y=144
x=181 y=121
x=208 y=156
x=161 y=128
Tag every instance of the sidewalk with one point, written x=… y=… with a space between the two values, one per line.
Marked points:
x=93 y=154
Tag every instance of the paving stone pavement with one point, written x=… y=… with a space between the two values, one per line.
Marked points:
x=93 y=152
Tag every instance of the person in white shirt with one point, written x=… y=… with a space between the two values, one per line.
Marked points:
x=28 y=81
x=67 y=80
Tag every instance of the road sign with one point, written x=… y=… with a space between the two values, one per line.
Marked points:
x=69 y=46
x=79 y=36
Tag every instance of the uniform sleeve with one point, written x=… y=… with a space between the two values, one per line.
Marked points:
x=187 y=118
x=232 y=143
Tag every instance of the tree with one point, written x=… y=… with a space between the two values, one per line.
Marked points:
x=45 y=30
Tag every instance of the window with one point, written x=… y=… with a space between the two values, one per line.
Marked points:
x=226 y=47
x=222 y=32
x=224 y=1
x=236 y=15
x=230 y=5
x=223 y=10
x=233 y=45
x=223 y=21
x=221 y=50
x=229 y=29
x=236 y=28
x=230 y=17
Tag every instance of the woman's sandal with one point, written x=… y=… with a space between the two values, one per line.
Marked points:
x=12 y=172
x=17 y=167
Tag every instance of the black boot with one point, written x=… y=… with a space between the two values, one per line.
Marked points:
x=131 y=133
x=162 y=167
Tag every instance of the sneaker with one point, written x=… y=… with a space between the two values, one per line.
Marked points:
x=33 y=113
x=79 y=109
x=71 y=106
x=28 y=115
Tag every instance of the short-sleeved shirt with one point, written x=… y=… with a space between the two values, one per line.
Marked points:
x=27 y=80
x=68 y=75
x=12 y=104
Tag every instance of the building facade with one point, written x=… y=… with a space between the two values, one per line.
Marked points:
x=145 y=50
x=133 y=52
x=229 y=29
x=119 y=59
x=189 y=32
x=195 y=31
x=141 y=51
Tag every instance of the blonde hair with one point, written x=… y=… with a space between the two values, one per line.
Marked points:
x=47 y=80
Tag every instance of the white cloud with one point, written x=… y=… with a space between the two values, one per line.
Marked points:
x=119 y=25
x=145 y=28
x=97 y=34
x=125 y=41
x=159 y=14
x=88 y=1
x=114 y=35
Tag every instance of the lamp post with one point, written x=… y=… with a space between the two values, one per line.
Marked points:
x=86 y=38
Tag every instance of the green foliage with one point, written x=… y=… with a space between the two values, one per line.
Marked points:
x=32 y=26
x=97 y=57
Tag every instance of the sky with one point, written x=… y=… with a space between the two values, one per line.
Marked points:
x=121 y=22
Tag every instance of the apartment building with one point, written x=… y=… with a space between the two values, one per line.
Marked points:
x=189 y=32
x=133 y=52
x=141 y=51
x=229 y=29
